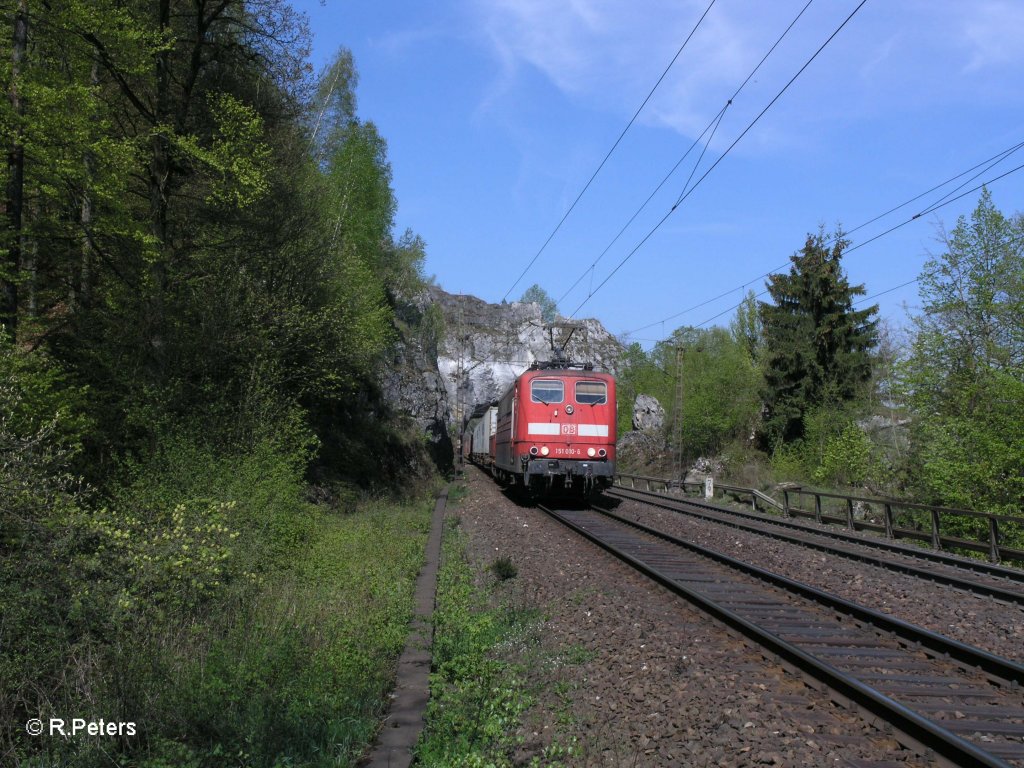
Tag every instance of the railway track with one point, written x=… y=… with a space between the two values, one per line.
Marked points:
x=1000 y=583
x=946 y=699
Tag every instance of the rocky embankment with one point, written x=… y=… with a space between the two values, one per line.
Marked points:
x=480 y=350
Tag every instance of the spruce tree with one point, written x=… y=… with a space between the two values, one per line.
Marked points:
x=816 y=345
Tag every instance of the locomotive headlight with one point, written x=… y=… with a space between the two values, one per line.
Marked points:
x=533 y=450
x=544 y=451
x=602 y=453
x=591 y=452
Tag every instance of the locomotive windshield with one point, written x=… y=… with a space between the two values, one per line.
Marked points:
x=591 y=392
x=547 y=391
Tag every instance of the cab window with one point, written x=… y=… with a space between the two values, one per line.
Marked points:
x=547 y=391
x=591 y=392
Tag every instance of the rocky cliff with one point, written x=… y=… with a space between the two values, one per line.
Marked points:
x=486 y=346
x=473 y=360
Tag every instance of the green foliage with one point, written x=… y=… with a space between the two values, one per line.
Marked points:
x=504 y=569
x=847 y=459
x=209 y=283
x=964 y=377
x=816 y=346
x=970 y=455
x=39 y=434
x=746 y=327
x=37 y=396
x=537 y=295
x=833 y=453
x=639 y=374
x=720 y=390
x=302 y=675
x=720 y=387
x=172 y=562
x=237 y=159
x=260 y=628
x=476 y=699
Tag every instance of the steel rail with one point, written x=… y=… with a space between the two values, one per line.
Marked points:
x=1000 y=667
x=977 y=566
x=920 y=731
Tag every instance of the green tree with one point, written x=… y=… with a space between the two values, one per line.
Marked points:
x=537 y=295
x=720 y=388
x=964 y=378
x=639 y=374
x=816 y=345
x=746 y=327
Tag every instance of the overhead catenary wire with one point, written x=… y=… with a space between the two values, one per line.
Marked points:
x=1011 y=241
x=984 y=165
x=590 y=269
x=711 y=126
x=610 y=151
x=721 y=157
x=876 y=237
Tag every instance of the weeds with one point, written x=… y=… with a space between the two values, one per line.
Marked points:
x=504 y=569
x=476 y=698
x=479 y=689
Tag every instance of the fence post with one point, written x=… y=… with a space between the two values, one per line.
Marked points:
x=936 y=537
x=817 y=508
x=993 y=539
x=785 y=503
x=888 y=522
x=648 y=484
x=849 y=513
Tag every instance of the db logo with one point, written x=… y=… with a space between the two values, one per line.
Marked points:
x=568 y=429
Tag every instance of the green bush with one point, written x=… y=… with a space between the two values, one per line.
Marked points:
x=206 y=601
x=848 y=459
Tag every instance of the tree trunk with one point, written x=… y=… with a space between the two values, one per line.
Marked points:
x=85 y=215
x=159 y=173
x=15 y=178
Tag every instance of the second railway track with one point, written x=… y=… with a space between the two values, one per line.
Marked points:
x=998 y=582
x=957 y=702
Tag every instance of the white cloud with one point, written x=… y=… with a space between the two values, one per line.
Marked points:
x=994 y=32
x=608 y=53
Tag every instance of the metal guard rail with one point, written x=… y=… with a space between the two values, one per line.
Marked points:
x=993 y=547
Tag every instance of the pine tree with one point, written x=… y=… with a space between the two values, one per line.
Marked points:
x=816 y=346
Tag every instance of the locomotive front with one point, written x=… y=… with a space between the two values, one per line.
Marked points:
x=556 y=430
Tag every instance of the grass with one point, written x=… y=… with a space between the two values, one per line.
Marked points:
x=483 y=649
x=476 y=696
x=504 y=569
x=291 y=667
x=301 y=676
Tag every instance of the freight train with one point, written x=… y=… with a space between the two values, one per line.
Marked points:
x=552 y=432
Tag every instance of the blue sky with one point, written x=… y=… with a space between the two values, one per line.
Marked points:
x=497 y=112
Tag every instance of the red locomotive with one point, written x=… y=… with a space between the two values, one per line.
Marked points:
x=553 y=431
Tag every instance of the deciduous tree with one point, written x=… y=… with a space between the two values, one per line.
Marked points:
x=965 y=376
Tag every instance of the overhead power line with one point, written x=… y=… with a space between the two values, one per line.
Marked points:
x=984 y=165
x=711 y=126
x=610 y=151
x=687 y=193
x=913 y=218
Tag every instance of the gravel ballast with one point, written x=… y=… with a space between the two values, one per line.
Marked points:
x=633 y=676
x=973 y=619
